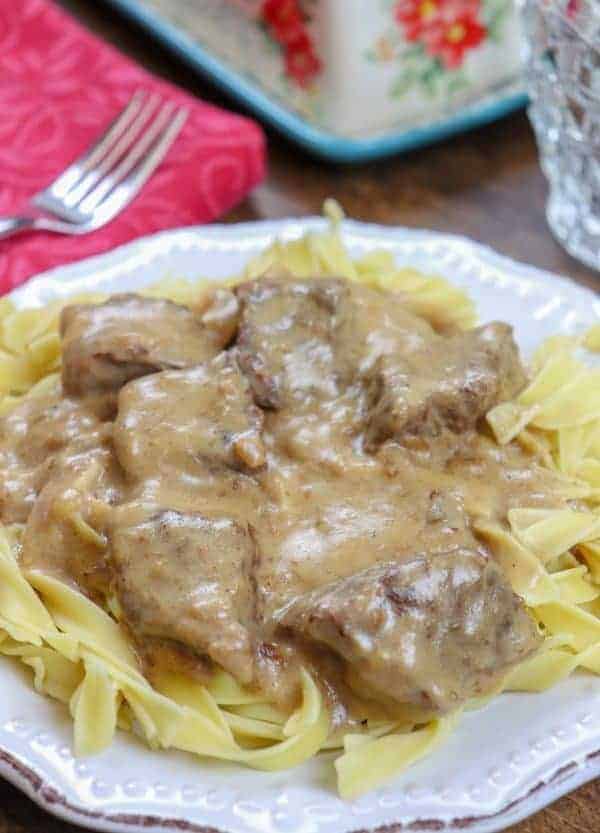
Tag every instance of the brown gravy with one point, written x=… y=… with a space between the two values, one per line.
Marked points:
x=291 y=478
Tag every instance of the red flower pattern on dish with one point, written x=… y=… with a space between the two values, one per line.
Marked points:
x=450 y=41
x=414 y=16
x=286 y=25
x=283 y=18
x=301 y=62
x=446 y=28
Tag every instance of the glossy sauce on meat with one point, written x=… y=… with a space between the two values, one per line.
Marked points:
x=107 y=345
x=45 y=435
x=291 y=477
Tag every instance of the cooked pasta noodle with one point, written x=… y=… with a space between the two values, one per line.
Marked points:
x=79 y=654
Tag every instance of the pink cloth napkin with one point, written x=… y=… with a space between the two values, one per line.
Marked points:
x=59 y=88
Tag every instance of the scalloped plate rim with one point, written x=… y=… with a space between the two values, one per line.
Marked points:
x=45 y=790
x=29 y=781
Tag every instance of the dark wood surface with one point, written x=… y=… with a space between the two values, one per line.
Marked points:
x=485 y=184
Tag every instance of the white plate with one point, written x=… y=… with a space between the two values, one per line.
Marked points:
x=503 y=763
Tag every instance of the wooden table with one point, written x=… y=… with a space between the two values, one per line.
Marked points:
x=485 y=184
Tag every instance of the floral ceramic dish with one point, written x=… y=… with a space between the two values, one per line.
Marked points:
x=351 y=79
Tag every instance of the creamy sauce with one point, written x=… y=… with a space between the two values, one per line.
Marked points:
x=301 y=489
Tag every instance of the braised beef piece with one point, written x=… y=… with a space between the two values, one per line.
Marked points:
x=40 y=438
x=183 y=577
x=183 y=422
x=107 y=345
x=434 y=630
x=304 y=339
x=183 y=552
x=371 y=323
x=449 y=386
x=285 y=342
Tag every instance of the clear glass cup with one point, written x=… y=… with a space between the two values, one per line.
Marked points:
x=562 y=51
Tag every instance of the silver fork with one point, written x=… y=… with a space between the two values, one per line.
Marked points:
x=104 y=179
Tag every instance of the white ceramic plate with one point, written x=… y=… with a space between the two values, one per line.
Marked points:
x=503 y=763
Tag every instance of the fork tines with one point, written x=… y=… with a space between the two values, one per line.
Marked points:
x=109 y=174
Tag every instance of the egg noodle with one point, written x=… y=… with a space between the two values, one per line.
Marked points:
x=79 y=654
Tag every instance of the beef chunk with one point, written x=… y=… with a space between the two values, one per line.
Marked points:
x=38 y=438
x=434 y=630
x=285 y=338
x=449 y=385
x=182 y=578
x=182 y=550
x=372 y=324
x=180 y=423
x=105 y=346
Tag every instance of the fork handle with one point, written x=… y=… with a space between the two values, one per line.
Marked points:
x=15 y=225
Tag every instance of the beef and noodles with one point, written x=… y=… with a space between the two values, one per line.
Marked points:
x=289 y=476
